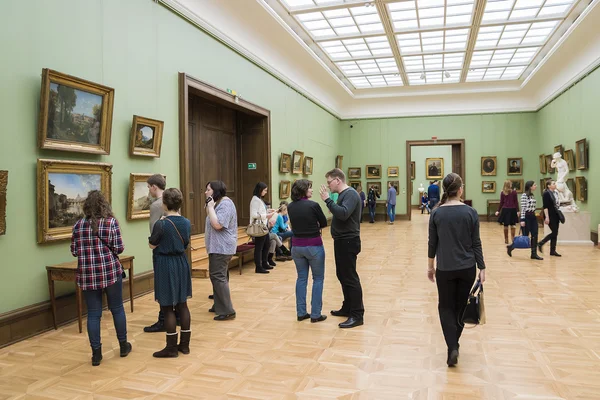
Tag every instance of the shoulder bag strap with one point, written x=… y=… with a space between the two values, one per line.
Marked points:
x=176 y=230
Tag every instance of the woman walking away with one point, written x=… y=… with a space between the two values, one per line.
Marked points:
x=97 y=242
x=551 y=205
x=172 y=274
x=508 y=210
x=455 y=242
x=259 y=211
x=308 y=252
x=528 y=220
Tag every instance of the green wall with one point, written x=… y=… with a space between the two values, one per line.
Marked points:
x=419 y=154
x=137 y=47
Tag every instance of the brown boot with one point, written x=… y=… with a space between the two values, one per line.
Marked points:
x=184 y=342
x=170 y=351
x=506 y=234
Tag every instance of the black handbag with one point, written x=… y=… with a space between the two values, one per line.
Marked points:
x=559 y=214
x=474 y=311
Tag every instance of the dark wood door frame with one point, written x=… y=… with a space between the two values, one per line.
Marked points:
x=446 y=142
x=189 y=84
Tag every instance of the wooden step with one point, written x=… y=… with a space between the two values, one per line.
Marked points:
x=200 y=269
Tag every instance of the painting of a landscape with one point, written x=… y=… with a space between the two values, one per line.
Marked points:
x=144 y=136
x=141 y=199
x=66 y=195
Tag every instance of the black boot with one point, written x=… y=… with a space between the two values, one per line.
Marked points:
x=158 y=326
x=509 y=249
x=96 y=356
x=260 y=270
x=285 y=251
x=534 y=255
x=184 y=342
x=540 y=246
x=125 y=348
x=452 y=357
x=270 y=260
x=170 y=350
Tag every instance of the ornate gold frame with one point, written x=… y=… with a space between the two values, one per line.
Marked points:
x=441 y=175
x=307 y=170
x=46 y=234
x=581 y=188
x=157 y=140
x=511 y=159
x=338 y=161
x=391 y=174
x=354 y=176
x=284 y=194
x=371 y=176
x=494 y=171
x=301 y=168
x=285 y=163
x=483 y=190
x=3 y=185
x=133 y=178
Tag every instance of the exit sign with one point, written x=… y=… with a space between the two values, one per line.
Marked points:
x=251 y=165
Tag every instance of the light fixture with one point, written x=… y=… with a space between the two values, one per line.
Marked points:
x=447 y=74
x=422 y=75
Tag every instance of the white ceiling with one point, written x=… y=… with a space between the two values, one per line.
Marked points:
x=488 y=70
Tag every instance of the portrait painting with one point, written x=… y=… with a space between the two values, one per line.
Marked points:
x=297 y=162
x=488 y=187
x=285 y=188
x=412 y=170
x=515 y=166
x=559 y=149
x=393 y=171
x=570 y=159
x=285 y=163
x=338 y=161
x=581 y=188
x=355 y=184
x=308 y=165
x=3 y=187
x=139 y=200
x=542 y=161
x=549 y=168
x=146 y=137
x=75 y=114
x=518 y=185
x=489 y=166
x=434 y=168
x=62 y=187
x=581 y=154
x=373 y=171
x=354 y=173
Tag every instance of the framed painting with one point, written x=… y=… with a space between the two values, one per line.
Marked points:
x=308 y=165
x=434 y=168
x=395 y=184
x=518 y=185
x=515 y=166
x=571 y=185
x=549 y=168
x=146 y=137
x=375 y=185
x=412 y=170
x=543 y=184
x=285 y=188
x=542 y=161
x=62 y=187
x=373 y=171
x=570 y=159
x=488 y=187
x=581 y=188
x=139 y=199
x=354 y=173
x=581 y=154
x=354 y=184
x=3 y=187
x=297 y=162
x=285 y=163
x=393 y=171
x=489 y=166
x=75 y=114
x=559 y=149
x=338 y=161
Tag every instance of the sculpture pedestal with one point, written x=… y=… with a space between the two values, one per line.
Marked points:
x=575 y=230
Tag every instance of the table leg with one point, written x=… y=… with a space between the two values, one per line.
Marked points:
x=79 y=310
x=131 y=285
x=52 y=299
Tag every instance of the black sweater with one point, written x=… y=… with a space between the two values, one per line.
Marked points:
x=549 y=202
x=346 y=215
x=307 y=218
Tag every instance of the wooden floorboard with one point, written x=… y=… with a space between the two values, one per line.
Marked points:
x=542 y=339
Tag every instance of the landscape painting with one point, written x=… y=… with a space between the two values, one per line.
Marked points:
x=297 y=162
x=146 y=137
x=138 y=206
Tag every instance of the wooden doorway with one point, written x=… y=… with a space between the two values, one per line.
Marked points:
x=219 y=135
x=458 y=162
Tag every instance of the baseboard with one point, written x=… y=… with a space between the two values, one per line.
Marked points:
x=594 y=237
x=32 y=320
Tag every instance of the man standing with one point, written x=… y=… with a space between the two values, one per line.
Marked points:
x=391 y=202
x=433 y=192
x=345 y=230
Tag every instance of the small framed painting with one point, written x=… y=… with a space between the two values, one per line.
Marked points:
x=146 y=137
x=285 y=163
x=542 y=161
x=285 y=188
x=355 y=184
x=354 y=173
x=570 y=159
x=582 y=154
x=338 y=161
x=571 y=185
x=393 y=171
x=517 y=184
x=488 y=187
x=515 y=166
x=298 y=162
x=373 y=171
x=549 y=168
x=489 y=166
x=560 y=149
x=308 y=165
x=581 y=188
x=375 y=185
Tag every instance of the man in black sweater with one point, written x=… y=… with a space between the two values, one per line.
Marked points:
x=345 y=230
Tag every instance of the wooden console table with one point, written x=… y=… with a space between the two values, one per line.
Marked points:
x=66 y=272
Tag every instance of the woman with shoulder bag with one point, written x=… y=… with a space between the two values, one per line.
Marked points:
x=529 y=223
x=259 y=212
x=551 y=204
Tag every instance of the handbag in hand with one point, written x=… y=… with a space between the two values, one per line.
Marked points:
x=521 y=241
x=474 y=311
x=561 y=216
x=257 y=227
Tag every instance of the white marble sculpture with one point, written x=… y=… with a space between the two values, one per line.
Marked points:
x=421 y=189
x=565 y=196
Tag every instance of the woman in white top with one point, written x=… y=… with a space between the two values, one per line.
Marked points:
x=258 y=210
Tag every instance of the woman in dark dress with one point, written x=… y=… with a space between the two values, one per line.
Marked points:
x=172 y=274
x=507 y=210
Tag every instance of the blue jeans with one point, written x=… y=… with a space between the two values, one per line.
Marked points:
x=114 y=297
x=312 y=257
x=286 y=235
x=372 y=211
x=391 y=212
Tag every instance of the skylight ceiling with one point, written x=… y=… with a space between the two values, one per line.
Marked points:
x=381 y=43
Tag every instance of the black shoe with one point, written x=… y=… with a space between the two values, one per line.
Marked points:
x=509 y=250
x=267 y=266
x=211 y=296
x=305 y=316
x=351 y=323
x=125 y=348
x=540 y=247
x=272 y=263
x=261 y=271
x=555 y=254
x=281 y=258
x=452 y=358
x=224 y=317
x=158 y=326
x=536 y=257
x=321 y=318
x=339 y=313
x=96 y=356
x=212 y=309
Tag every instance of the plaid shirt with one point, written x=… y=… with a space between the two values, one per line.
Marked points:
x=98 y=265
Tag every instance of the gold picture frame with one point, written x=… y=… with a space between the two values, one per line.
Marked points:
x=285 y=163
x=413 y=168
x=354 y=173
x=542 y=161
x=570 y=159
x=488 y=187
x=138 y=199
x=489 y=166
x=338 y=161
x=60 y=128
x=146 y=137
x=518 y=185
x=514 y=166
x=393 y=171
x=434 y=168
x=62 y=187
x=571 y=185
x=373 y=171
x=285 y=188
x=559 y=149
x=581 y=188
x=376 y=185
x=355 y=184
x=581 y=154
x=549 y=168
x=297 y=162
x=3 y=188
x=395 y=184
x=308 y=165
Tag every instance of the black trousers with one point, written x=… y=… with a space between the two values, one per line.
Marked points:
x=345 y=252
x=261 y=251
x=531 y=228
x=552 y=236
x=453 y=291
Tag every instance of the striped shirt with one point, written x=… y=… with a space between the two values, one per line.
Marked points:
x=528 y=205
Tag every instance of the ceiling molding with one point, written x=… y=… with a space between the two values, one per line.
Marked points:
x=389 y=32
x=473 y=32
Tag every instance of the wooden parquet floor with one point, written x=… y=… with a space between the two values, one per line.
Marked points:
x=542 y=339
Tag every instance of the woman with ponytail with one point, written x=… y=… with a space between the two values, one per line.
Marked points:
x=455 y=242
x=508 y=210
x=529 y=222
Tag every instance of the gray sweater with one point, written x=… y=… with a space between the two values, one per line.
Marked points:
x=454 y=238
x=346 y=215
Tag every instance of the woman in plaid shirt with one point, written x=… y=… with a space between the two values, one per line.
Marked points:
x=96 y=242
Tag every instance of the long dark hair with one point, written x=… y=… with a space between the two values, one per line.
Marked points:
x=258 y=189
x=219 y=189
x=528 y=186
x=300 y=189
x=96 y=207
x=451 y=184
x=548 y=183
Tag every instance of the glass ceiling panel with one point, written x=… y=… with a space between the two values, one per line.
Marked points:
x=434 y=41
x=410 y=15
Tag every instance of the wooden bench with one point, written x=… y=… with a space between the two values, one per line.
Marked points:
x=200 y=256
